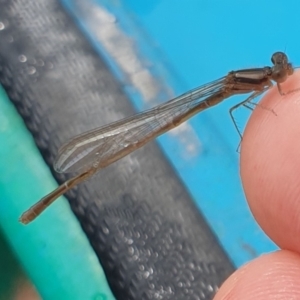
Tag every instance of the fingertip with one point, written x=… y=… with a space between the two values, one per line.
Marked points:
x=270 y=164
x=271 y=276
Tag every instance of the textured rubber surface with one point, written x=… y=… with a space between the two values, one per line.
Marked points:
x=149 y=237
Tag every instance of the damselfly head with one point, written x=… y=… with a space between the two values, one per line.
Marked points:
x=282 y=68
x=279 y=58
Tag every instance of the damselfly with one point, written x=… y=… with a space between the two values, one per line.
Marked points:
x=94 y=150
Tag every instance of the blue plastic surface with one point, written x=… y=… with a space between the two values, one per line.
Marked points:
x=184 y=44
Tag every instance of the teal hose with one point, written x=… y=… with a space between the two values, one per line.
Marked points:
x=53 y=249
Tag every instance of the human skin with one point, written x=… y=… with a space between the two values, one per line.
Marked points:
x=270 y=173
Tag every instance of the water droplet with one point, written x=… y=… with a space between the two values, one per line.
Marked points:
x=49 y=65
x=2 y=26
x=31 y=70
x=40 y=62
x=100 y=297
x=22 y=58
x=105 y=230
